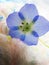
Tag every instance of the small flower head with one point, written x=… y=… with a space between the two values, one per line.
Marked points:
x=27 y=24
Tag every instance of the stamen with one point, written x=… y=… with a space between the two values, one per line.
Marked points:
x=23 y=30
x=22 y=23
x=27 y=23
x=21 y=26
x=25 y=27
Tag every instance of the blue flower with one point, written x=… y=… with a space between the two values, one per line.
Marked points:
x=27 y=25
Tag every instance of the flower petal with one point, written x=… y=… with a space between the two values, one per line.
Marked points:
x=34 y=33
x=35 y=18
x=17 y=34
x=29 y=11
x=13 y=20
x=28 y=39
x=31 y=39
x=41 y=26
x=14 y=28
x=22 y=37
x=21 y=16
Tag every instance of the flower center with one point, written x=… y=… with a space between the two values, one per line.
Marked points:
x=25 y=27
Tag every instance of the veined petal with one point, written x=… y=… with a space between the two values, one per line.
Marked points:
x=14 y=28
x=17 y=34
x=34 y=33
x=29 y=11
x=35 y=18
x=21 y=16
x=41 y=26
x=31 y=39
x=22 y=37
x=13 y=20
x=28 y=39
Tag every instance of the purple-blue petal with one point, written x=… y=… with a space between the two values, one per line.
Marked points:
x=21 y=16
x=29 y=11
x=22 y=37
x=28 y=39
x=17 y=34
x=14 y=28
x=31 y=39
x=34 y=33
x=13 y=20
x=41 y=26
x=35 y=19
